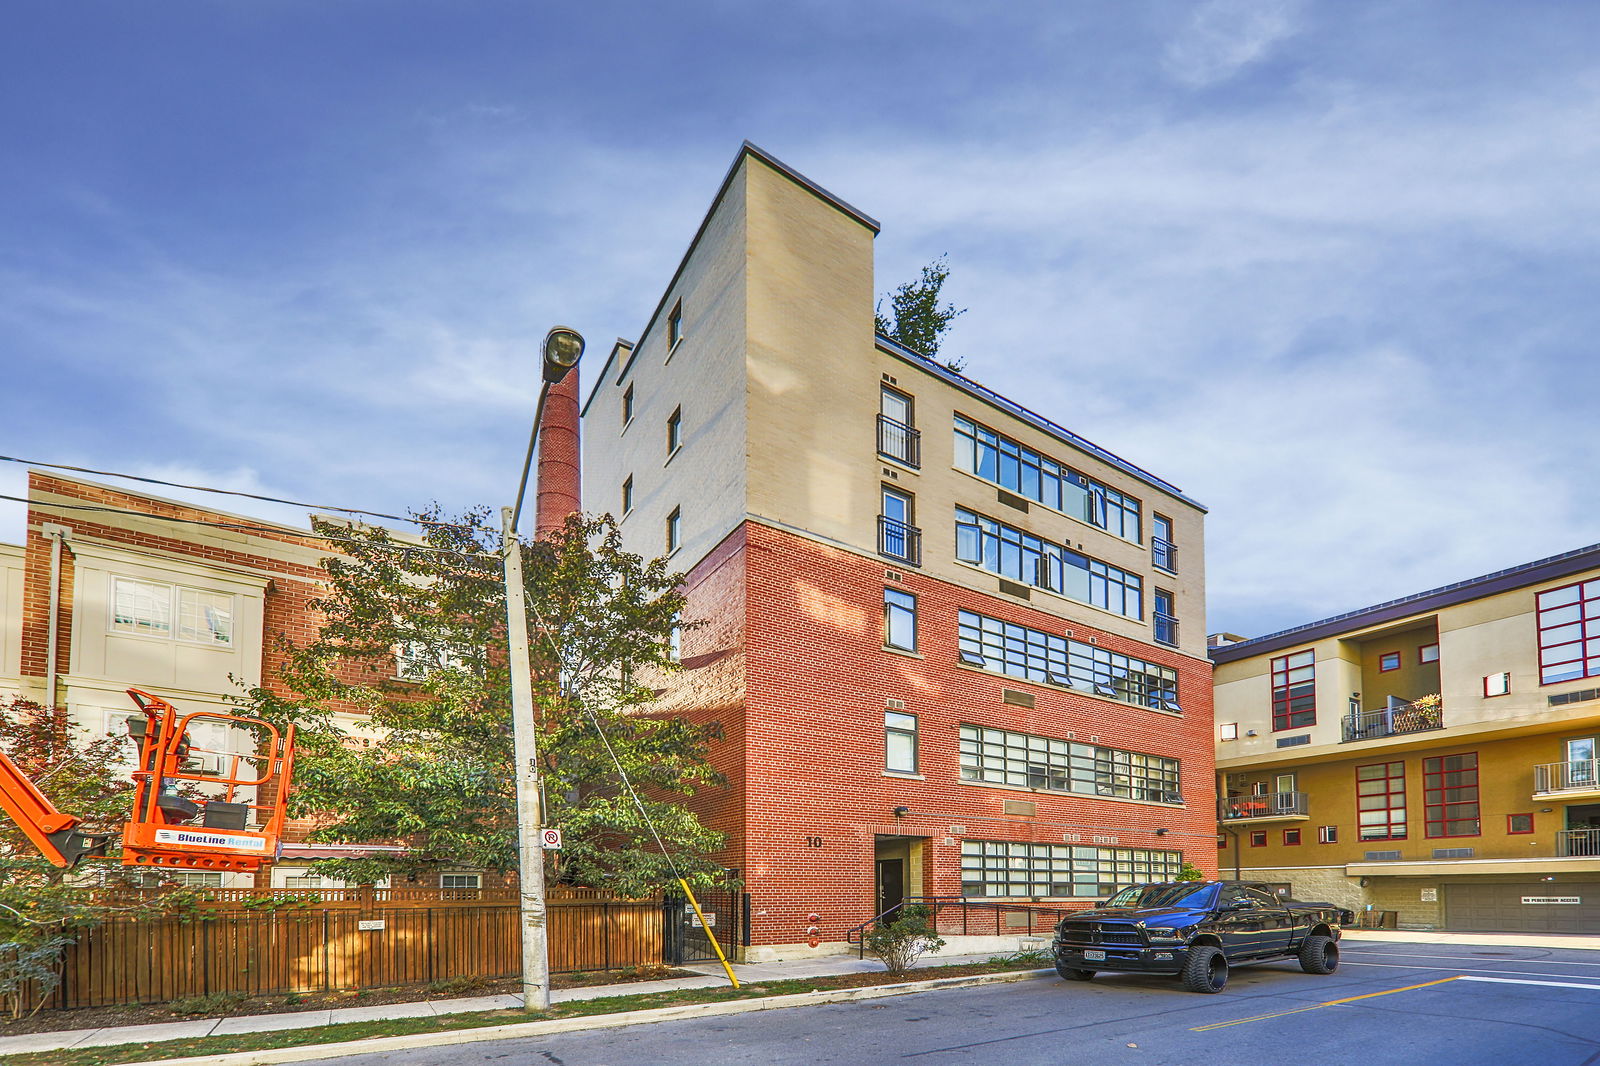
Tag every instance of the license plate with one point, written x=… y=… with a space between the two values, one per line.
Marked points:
x=1094 y=956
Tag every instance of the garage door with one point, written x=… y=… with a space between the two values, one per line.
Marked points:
x=1533 y=907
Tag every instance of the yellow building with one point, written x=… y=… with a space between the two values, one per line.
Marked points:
x=1435 y=756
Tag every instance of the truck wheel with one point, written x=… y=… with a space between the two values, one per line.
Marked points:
x=1319 y=954
x=1072 y=974
x=1206 y=970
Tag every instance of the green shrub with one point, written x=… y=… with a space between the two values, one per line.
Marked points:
x=898 y=944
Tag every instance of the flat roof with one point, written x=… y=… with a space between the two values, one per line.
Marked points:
x=1515 y=577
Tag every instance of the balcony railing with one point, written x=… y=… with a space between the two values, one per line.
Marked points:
x=899 y=441
x=900 y=541
x=1582 y=775
x=1164 y=554
x=1392 y=721
x=1166 y=629
x=1577 y=842
x=1266 y=805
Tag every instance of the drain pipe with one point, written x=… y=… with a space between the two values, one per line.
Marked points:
x=55 y=534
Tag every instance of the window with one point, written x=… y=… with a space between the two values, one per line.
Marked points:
x=627 y=406
x=897 y=436
x=627 y=495
x=417 y=660
x=898 y=536
x=982 y=451
x=674 y=530
x=148 y=608
x=1450 y=795
x=1164 y=618
x=460 y=882
x=1389 y=660
x=1003 y=868
x=1291 y=838
x=1228 y=731
x=1023 y=557
x=1163 y=553
x=1569 y=632
x=1328 y=834
x=1381 y=801
x=900 y=742
x=674 y=431
x=1258 y=838
x=1018 y=651
x=674 y=326
x=1518 y=824
x=675 y=641
x=900 y=619
x=1294 y=690
x=1428 y=653
x=1497 y=685
x=996 y=757
x=301 y=881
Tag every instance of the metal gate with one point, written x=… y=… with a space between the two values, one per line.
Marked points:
x=684 y=939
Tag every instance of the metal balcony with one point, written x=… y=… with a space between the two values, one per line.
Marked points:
x=1571 y=843
x=1166 y=629
x=1266 y=807
x=1391 y=722
x=899 y=441
x=1164 y=554
x=1573 y=780
x=897 y=540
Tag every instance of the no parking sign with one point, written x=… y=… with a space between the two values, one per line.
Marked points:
x=550 y=839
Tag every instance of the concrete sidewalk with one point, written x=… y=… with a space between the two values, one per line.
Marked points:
x=710 y=976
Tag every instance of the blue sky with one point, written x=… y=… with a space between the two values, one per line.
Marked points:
x=1330 y=267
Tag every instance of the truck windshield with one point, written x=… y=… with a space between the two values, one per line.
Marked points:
x=1178 y=894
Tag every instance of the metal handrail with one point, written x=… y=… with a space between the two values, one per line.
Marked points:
x=1166 y=628
x=899 y=540
x=1164 y=554
x=1262 y=805
x=899 y=441
x=1561 y=776
x=1390 y=721
x=1575 y=842
x=857 y=934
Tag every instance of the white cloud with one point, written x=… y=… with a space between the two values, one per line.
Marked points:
x=1225 y=36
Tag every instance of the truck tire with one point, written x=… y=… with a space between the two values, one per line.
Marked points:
x=1073 y=974
x=1319 y=954
x=1205 y=970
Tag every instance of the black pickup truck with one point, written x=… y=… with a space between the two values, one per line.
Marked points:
x=1196 y=930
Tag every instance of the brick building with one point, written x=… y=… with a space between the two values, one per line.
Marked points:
x=955 y=649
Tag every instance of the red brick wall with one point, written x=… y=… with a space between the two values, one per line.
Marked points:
x=817 y=679
x=558 y=485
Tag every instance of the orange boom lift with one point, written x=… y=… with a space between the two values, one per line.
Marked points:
x=231 y=821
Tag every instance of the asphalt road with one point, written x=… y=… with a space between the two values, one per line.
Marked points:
x=1502 y=1005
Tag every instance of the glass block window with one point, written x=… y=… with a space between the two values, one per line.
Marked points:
x=1009 y=648
x=998 y=757
x=1003 y=868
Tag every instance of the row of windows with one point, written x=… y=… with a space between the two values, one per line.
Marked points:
x=1009 y=648
x=993 y=457
x=1002 y=868
x=172 y=611
x=1023 y=557
x=998 y=757
x=1569 y=632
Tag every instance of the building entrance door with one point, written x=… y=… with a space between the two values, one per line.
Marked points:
x=891 y=885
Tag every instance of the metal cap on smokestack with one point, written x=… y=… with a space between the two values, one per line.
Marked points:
x=559 y=492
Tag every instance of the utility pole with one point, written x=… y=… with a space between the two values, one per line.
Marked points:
x=563 y=348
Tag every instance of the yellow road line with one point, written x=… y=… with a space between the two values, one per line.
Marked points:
x=1317 y=1006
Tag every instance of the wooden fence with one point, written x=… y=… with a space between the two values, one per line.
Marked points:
x=343 y=944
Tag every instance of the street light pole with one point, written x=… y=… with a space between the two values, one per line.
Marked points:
x=562 y=349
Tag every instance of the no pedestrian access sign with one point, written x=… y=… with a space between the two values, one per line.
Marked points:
x=550 y=839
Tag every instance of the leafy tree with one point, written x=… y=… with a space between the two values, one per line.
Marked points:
x=1190 y=872
x=919 y=322
x=436 y=768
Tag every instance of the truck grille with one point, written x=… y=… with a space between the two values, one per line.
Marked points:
x=1100 y=933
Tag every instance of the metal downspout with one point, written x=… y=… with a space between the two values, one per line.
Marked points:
x=56 y=535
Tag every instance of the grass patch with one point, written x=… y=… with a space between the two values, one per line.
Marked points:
x=330 y=1034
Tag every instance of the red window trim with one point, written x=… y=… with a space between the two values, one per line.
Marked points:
x=1282 y=694
x=1295 y=843
x=1510 y=832
x=1258 y=838
x=1427 y=806
x=1382 y=669
x=1581 y=642
x=1495 y=695
x=1404 y=808
x=1424 y=647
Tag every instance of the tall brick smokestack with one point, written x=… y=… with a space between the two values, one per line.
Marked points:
x=559 y=485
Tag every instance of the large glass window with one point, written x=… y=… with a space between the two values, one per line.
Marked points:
x=1019 y=651
x=900 y=619
x=1004 y=868
x=997 y=757
x=982 y=451
x=900 y=742
x=1569 y=632
x=158 y=610
x=1450 y=795
x=1294 y=690
x=1381 y=801
x=1032 y=560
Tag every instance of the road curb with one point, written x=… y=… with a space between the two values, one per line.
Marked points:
x=517 y=1030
